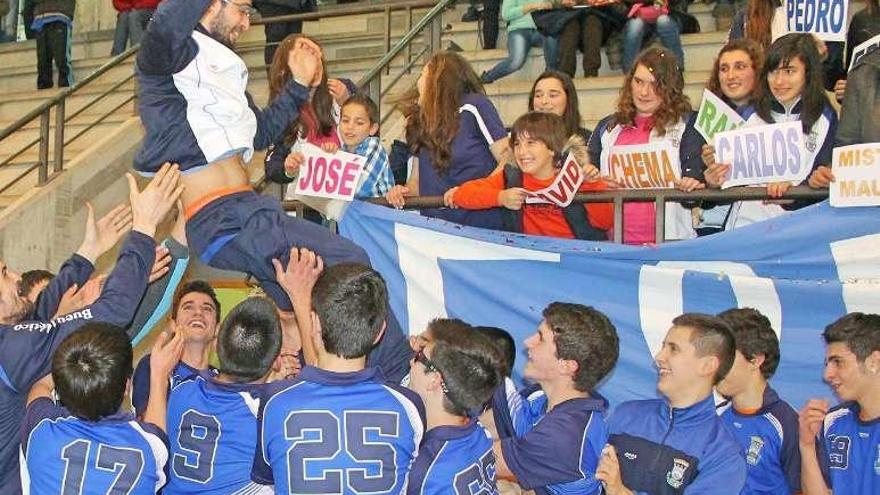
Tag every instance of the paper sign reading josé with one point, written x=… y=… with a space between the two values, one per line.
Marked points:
x=715 y=116
x=643 y=166
x=762 y=154
x=827 y=19
x=563 y=189
x=856 y=175
x=329 y=176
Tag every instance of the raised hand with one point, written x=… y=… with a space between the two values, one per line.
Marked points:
x=304 y=62
x=161 y=265
x=102 y=235
x=299 y=276
x=150 y=206
x=338 y=90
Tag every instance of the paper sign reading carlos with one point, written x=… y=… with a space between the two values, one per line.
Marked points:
x=329 y=176
x=856 y=175
x=762 y=154
x=644 y=166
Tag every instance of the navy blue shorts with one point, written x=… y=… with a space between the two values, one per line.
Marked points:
x=245 y=231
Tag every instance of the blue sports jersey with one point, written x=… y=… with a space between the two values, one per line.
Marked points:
x=454 y=460
x=769 y=439
x=212 y=434
x=329 y=432
x=64 y=454
x=849 y=450
x=140 y=381
x=554 y=452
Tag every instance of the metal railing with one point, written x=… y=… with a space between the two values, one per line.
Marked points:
x=57 y=107
x=620 y=196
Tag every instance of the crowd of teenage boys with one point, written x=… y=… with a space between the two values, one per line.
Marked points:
x=315 y=388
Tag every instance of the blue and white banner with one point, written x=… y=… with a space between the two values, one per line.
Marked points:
x=802 y=271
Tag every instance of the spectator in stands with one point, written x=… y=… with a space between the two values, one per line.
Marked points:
x=652 y=109
x=864 y=25
x=277 y=31
x=840 y=445
x=645 y=14
x=860 y=115
x=83 y=439
x=33 y=282
x=131 y=22
x=589 y=32
x=454 y=374
x=735 y=73
x=522 y=35
x=28 y=336
x=677 y=444
x=537 y=141
x=552 y=432
x=765 y=426
x=554 y=92
x=195 y=314
x=791 y=91
x=762 y=21
x=53 y=24
x=455 y=134
x=491 y=11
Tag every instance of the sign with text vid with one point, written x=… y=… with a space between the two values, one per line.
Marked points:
x=856 y=175
x=329 y=176
x=563 y=189
x=763 y=154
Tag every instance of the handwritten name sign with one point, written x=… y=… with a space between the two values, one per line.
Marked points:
x=643 y=166
x=864 y=49
x=563 y=189
x=715 y=116
x=763 y=154
x=827 y=19
x=856 y=175
x=329 y=176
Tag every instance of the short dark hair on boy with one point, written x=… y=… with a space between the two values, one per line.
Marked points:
x=859 y=331
x=548 y=128
x=366 y=102
x=754 y=335
x=195 y=286
x=710 y=336
x=31 y=278
x=504 y=344
x=469 y=364
x=91 y=368
x=351 y=302
x=585 y=335
x=249 y=340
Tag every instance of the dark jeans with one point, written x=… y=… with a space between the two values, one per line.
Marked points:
x=53 y=43
x=491 y=9
x=589 y=33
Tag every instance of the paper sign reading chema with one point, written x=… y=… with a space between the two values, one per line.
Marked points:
x=643 y=166
x=856 y=175
x=329 y=176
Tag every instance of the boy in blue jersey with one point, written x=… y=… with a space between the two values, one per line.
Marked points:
x=455 y=374
x=765 y=426
x=678 y=444
x=212 y=419
x=339 y=427
x=840 y=446
x=195 y=313
x=551 y=434
x=83 y=443
x=29 y=334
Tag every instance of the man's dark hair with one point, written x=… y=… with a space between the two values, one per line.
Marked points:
x=366 y=102
x=584 y=335
x=91 y=368
x=753 y=335
x=469 y=365
x=710 y=336
x=351 y=302
x=504 y=344
x=31 y=278
x=196 y=286
x=249 y=340
x=859 y=331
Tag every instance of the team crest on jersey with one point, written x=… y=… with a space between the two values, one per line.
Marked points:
x=676 y=476
x=754 y=453
x=811 y=141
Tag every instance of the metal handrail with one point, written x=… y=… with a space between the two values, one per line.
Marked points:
x=620 y=196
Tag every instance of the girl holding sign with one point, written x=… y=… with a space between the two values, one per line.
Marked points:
x=791 y=91
x=650 y=142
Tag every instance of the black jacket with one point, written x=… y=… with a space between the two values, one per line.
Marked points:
x=45 y=7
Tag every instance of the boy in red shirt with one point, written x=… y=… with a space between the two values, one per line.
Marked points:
x=537 y=141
